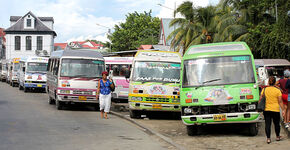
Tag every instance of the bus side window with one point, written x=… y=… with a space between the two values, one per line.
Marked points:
x=48 y=65
x=108 y=68
x=116 y=70
x=56 y=66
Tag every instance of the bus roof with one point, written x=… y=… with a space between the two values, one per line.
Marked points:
x=218 y=48
x=77 y=53
x=272 y=62
x=149 y=55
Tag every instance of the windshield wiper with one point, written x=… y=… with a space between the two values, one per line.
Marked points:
x=210 y=81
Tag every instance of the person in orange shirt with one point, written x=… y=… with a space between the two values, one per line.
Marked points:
x=272 y=110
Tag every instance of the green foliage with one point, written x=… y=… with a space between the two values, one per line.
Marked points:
x=252 y=21
x=139 y=28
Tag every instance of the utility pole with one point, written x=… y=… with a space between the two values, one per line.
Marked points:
x=109 y=33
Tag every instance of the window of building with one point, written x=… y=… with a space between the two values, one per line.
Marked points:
x=17 y=42
x=39 y=42
x=28 y=43
x=28 y=22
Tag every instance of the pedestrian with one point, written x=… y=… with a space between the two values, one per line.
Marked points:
x=104 y=93
x=272 y=111
x=287 y=86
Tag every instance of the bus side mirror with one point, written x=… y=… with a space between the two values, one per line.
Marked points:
x=23 y=69
x=11 y=68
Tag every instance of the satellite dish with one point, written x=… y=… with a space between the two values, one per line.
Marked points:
x=45 y=53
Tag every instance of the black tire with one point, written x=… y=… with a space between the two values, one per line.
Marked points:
x=25 y=89
x=50 y=100
x=20 y=87
x=253 y=129
x=135 y=114
x=192 y=130
x=59 y=105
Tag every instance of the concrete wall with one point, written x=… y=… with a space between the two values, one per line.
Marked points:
x=48 y=44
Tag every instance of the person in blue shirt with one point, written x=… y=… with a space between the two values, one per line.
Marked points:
x=104 y=93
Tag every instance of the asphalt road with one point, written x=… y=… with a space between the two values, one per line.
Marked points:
x=28 y=122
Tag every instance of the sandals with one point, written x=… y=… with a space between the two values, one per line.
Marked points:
x=268 y=141
x=278 y=138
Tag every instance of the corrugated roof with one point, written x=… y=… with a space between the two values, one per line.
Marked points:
x=38 y=26
x=271 y=62
x=166 y=29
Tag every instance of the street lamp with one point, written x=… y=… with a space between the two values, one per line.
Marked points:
x=169 y=8
x=109 y=32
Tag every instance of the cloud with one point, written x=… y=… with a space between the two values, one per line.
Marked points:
x=167 y=8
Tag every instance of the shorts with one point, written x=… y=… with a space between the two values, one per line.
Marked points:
x=285 y=98
x=288 y=97
x=105 y=102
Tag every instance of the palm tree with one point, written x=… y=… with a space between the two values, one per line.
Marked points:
x=197 y=27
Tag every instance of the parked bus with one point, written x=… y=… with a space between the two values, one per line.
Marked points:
x=117 y=67
x=73 y=75
x=13 y=72
x=270 y=67
x=219 y=85
x=32 y=73
x=3 y=71
x=154 y=82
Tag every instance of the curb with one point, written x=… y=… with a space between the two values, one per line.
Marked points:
x=149 y=131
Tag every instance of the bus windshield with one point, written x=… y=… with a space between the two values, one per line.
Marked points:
x=16 y=66
x=81 y=68
x=218 y=71
x=36 y=67
x=156 y=72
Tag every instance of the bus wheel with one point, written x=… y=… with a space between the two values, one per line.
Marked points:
x=192 y=130
x=20 y=87
x=253 y=129
x=50 y=100
x=135 y=114
x=59 y=105
x=25 y=89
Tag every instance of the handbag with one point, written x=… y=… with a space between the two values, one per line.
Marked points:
x=262 y=103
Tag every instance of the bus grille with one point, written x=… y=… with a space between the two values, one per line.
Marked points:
x=82 y=92
x=151 y=99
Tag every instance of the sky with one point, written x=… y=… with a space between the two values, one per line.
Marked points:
x=78 y=20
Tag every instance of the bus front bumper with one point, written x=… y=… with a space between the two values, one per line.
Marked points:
x=154 y=106
x=77 y=99
x=34 y=85
x=243 y=117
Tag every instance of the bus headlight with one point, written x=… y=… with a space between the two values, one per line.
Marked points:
x=187 y=110
x=136 y=98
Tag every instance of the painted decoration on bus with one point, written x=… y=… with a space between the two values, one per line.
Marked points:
x=157 y=89
x=246 y=91
x=156 y=72
x=218 y=96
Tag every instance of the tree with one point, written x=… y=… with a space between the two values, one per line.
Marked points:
x=139 y=28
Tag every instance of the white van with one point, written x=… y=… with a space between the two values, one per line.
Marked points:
x=13 y=72
x=32 y=73
x=3 y=72
x=117 y=67
x=270 y=67
x=73 y=75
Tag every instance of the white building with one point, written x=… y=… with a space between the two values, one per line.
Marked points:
x=29 y=35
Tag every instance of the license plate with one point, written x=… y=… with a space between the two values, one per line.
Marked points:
x=219 y=117
x=156 y=106
x=39 y=85
x=82 y=98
